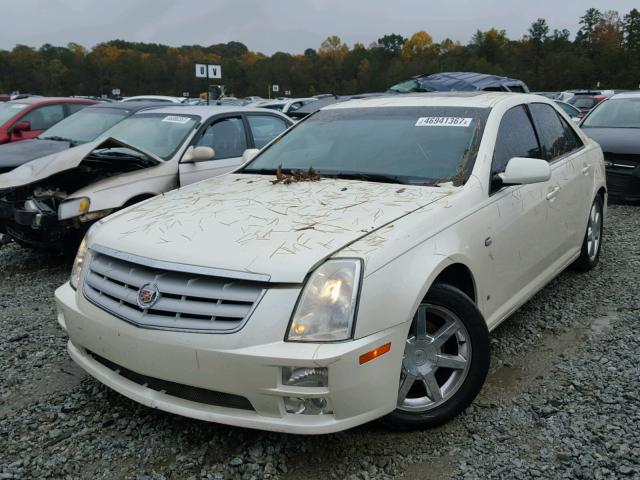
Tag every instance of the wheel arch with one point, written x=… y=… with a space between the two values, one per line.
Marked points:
x=460 y=276
x=137 y=199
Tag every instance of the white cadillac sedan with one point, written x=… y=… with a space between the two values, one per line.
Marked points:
x=351 y=271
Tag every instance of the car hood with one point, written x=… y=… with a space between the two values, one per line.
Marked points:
x=245 y=223
x=624 y=141
x=49 y=165
x=14 y=154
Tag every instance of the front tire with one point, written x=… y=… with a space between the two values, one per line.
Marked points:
x=446 y=360
x=592 y=243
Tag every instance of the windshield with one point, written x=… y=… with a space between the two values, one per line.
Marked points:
x=85 y=126
x=160 y=134
x=416 y=145
x=9 y=110
x=617 y=113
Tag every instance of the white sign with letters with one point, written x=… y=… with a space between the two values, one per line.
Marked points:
x=214 y=71
x=276 y=88
x=201 y=70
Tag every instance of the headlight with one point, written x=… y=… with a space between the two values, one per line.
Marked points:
x=82 y=257
x=73 y=208
x=328 y=302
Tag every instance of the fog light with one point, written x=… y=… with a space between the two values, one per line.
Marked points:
x=305 y=377
x=307 y=406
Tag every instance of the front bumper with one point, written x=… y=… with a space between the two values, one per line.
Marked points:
x=236 y=365
x=623 y=183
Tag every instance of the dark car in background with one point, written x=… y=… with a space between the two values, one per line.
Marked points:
x=82 y=127
x=585 y=103
x=615 y=125
x=29 y=117
x=459 y=82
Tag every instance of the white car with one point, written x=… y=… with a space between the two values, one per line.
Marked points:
x=275 y=299
x=155 y=98
x=51 y=201
x=285 y=106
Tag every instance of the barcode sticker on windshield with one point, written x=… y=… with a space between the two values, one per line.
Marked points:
x=175 y=119
x=443 y=122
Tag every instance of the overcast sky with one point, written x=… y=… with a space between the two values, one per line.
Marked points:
x=276 y=25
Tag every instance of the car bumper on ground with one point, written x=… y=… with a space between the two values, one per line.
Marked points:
x=215 y=377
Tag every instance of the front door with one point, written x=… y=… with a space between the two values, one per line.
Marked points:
x=228 y=138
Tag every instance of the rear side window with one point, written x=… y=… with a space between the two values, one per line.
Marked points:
x=554 y=138
x=516 y=138
x=573 y=140
x=265 y=128
x=44 y=117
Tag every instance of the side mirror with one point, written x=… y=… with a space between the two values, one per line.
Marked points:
x=198 y=154
x=21 y=127
x=249 y=154
x=523 y=171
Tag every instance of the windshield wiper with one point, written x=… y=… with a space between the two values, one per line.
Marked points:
x=369 y=177
x=262 y=171
x=59 y=139
x=108 y=152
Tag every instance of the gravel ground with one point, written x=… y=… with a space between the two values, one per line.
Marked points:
x=562 y=399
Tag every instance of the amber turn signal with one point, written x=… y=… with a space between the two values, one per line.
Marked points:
x=367 y=357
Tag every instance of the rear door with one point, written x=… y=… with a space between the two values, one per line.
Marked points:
x=568 y=197
x=229 y=139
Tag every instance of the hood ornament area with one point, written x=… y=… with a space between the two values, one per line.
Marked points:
x=148 y=295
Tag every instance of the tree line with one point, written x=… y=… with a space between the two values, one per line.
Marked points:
x=605 y=52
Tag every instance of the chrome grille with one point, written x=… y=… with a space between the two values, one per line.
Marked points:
x=187 y=301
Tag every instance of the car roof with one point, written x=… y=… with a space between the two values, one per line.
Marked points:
x=634 y=94
x=129 y=106
x=463 y=81
x=476 y=98
x=44 y=100
x=207 y=111
x=168 y=98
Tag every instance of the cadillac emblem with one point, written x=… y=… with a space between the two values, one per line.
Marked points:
x=148 y=295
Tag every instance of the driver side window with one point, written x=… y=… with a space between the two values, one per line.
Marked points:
x=226 y=137
x=516 y=138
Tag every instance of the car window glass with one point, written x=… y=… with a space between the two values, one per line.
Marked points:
x=553 y=137
x=265 y=128
x=414 y=145
x=516 y=138
x=75 y=107
x=226 y=137
x=44 y=117
x=573 y=141
x=9 y=110
x=615 y=113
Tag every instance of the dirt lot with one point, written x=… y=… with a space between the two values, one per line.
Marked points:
x=562 y=399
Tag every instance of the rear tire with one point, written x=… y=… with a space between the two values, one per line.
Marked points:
x=446 y=361
x=592 y=243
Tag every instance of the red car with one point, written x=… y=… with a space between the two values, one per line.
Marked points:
x=29 y=117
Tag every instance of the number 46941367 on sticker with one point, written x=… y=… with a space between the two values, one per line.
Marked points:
x=443 y=122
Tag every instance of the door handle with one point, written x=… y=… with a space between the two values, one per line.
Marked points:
x=586 y=168
x=553 y=192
